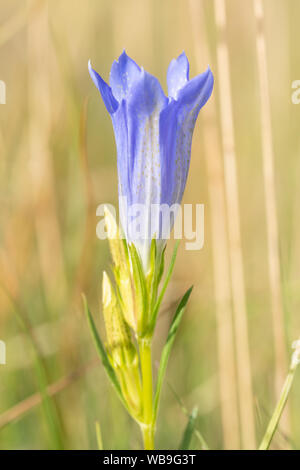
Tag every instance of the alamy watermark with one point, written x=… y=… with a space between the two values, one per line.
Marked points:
x=2 y=352
x=159 y=221
x=296 y=93
x=2 y=92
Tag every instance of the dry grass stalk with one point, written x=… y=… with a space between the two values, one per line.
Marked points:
x=42 y=183
x=270 y=206
x=235 y=248
x=212 y=151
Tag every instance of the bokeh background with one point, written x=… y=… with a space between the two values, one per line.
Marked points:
x=58 y=162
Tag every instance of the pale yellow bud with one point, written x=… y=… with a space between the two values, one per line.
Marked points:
x=121 y=348
x=122 y=267
x=116 y=243
x=126 y=293
x=106 y=291
x=110 y=223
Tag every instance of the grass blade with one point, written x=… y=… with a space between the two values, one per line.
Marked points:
x=50 y=409
x=99 y=435
x=167 y=348
x=202 y=441
x=273 y=424
x=189 y=430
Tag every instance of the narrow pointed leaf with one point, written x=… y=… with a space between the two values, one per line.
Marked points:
x=162 y=266
x=151 y=272
x=140 y=284
x=168 y=346
x=189 y=430
x=152 y=276
x=102 y=353
x=163 y=290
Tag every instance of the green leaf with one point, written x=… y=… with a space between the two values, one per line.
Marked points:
x=102 y=353
x=140 y=285
x=156 y=266
x=151 y=272
x=189 y=430
x=161 y=265
x=168 y=346
x=163 y=290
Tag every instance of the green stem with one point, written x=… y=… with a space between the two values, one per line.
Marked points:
x=147 y=426
x=265 y=443
x=148 y=437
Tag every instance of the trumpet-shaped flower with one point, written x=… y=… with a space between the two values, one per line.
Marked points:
x=153 y=136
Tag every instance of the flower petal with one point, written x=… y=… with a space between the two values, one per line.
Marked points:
x=177 y=75
x=197 y=91
x=136 y=126
x=177 y=124
x=106 y=93
x=123 y=74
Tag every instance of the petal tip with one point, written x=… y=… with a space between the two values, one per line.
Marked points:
x=123 y=56
x=90 y=68
x=178 y=74
x=92 y=72
x=182 y=56
x=209 y=73
x=109 y=100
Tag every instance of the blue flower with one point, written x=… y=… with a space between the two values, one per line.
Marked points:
x=153 y=136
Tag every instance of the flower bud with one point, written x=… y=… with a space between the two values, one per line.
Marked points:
x=116 y=243
x=122 y=269
x=122 y=350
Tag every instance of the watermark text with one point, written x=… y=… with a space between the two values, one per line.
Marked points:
x=296 y=93
x=157 y=221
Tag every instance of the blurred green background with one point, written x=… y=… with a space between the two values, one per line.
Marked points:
x=58 y=163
